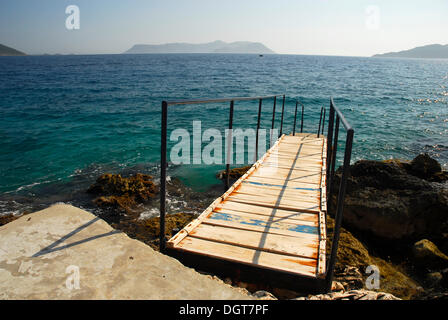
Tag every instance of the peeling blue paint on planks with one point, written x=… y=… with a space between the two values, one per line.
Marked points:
x=261 y=223
x=280 y=186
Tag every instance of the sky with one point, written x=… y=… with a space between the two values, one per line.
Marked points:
x=321 y=27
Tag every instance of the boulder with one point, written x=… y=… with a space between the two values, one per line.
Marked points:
x=123 y=194
x=427 y=254
x=234 y=173
x=425 y=167
x=388 y=200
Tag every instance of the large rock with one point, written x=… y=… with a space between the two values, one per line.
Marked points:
x=234 y=173
x=427 y=254
x=389 y=200
x=42 y=254
x=117 y=192
x=425 y=167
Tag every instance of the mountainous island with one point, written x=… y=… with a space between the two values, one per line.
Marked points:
x=211 y=47
x=432 y=51
x=7 y=51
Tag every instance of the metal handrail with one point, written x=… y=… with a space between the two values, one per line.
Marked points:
x=331 y=160
x=334 y=119
x=163 y=149
x=199 y=101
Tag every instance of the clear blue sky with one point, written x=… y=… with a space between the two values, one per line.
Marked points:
x=327 y=27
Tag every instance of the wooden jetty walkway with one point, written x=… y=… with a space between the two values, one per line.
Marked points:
x=273 y=217
x=270 y=225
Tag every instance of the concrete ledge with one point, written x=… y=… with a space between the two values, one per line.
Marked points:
x=41 y=253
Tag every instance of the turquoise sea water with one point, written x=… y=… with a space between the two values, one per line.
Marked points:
x=66 y=119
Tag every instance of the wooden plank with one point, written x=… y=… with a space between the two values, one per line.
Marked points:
x=237 y=222
x=255 y=209
x=288 y=159
x=298 y=163
x=298 y=265
x=277 y=202
x=303 y=207
x=300 y=167
x=289 y=175
x=309 y=142
x=300 y=150
x=284 y=183
x=290 y=171
x=258 y=240
x=272 y=189
x=286 y=175
x=316 y=156
x=287 y=194
x=321 y=262
x=305 y=135
x=305 y=147
x=271 y=218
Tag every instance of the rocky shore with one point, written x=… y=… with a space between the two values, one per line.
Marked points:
x=396 y=212
x=395 y=218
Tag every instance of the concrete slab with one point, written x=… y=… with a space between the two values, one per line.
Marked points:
x=46 y=254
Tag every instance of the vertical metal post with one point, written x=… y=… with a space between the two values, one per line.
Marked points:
x=281 y=122
x=301 y=125
x=334 y=152
x=162 y=239
x=323 y=121
x=229 y=144
x=273 y=122
x=258 y=129
x=320 y=121
x=340 y=208
x=329 y=143
x=295 y=120
x=273 y=113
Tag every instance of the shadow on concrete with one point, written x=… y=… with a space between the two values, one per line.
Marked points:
x=53 y=247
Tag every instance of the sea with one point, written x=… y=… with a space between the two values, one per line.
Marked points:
x=67 y=119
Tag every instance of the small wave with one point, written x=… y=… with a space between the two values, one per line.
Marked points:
x=29 y=186
x=153 y=212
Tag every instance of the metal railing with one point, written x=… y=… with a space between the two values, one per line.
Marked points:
x=332 y=148
x=163 y=160
x=335 y=117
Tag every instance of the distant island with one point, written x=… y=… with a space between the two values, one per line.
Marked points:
x=211 y=47
x=7 y=51
x=432 y=51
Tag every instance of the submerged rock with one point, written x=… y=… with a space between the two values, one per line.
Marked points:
x=234 y=173
x=123 y=193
